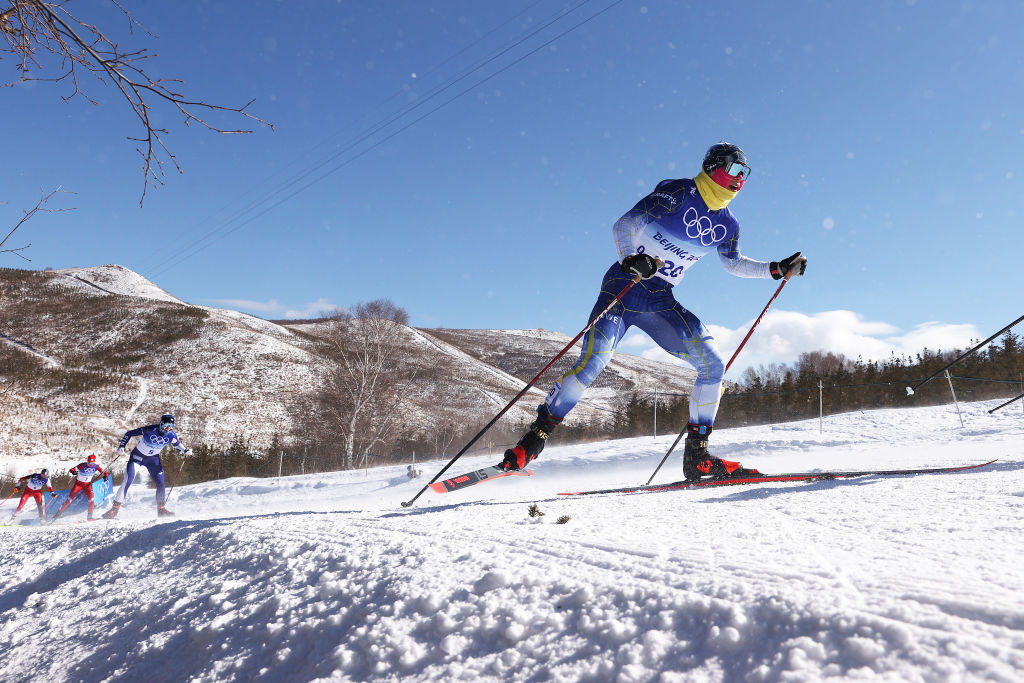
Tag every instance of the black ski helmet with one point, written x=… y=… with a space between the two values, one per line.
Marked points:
x=44 y=473
x=166 y=422
x=722 y=153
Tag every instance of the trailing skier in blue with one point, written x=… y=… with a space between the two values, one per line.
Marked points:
x=657 y=241
x=152 y=440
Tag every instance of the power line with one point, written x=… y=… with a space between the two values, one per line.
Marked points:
x=157 y=264
x=211 y=237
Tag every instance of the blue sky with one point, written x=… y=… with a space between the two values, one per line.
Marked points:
x=886 y=140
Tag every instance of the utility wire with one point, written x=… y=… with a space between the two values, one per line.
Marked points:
x=212 y=237
x=156 y=265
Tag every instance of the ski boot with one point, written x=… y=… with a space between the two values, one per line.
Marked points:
x=697 y=462
x=161 y=511
x=532 y=443
x=112 y=512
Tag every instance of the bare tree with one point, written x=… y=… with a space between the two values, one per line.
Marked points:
x=822 y=363
x=37 y=32
x=40 y=206
x=446 y=428
x=365 y=391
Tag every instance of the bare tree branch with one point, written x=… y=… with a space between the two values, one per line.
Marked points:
x=40 y=206
x=34 y=27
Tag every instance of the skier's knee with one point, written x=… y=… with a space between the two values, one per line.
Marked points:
x=713 y=369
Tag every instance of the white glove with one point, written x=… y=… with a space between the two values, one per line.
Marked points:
x=188 y=451
x=120 y=450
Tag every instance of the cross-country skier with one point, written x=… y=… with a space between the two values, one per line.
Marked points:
x=34 y=484
x=152 y=440
x=84 y=472
x=668 y=231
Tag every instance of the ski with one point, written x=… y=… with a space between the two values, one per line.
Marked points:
x=475 y=477
x=772 y=478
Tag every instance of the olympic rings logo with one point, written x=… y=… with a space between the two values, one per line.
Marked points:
x=159 y=440
x=700 y=227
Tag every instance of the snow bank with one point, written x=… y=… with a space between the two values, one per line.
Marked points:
x=327 y=577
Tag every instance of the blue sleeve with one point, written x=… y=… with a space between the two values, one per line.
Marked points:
x=736 y=263
x=176 y=443
x=128 y=435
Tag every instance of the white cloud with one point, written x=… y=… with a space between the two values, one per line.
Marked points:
x=275 y=309
x=783 y=335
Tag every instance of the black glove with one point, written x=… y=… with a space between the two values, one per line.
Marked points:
x=643 y=265
x=779 y=269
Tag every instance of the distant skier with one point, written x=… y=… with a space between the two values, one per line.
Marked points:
x=152 y=440
x=658 y=240
x=34 y=484
x=84 y=471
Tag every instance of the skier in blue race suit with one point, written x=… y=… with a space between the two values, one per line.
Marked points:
x=661 y=237
x=152 y=440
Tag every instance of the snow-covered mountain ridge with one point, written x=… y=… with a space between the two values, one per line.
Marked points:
x=86 y=353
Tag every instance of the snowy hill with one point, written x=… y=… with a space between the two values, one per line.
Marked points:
x=327 y=577
x=113 y=279
x=86 y=353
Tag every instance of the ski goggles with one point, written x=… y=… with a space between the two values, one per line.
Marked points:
x=736 y=169
x=166 y=426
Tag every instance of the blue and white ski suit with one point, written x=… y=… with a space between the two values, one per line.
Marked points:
x=147 y=454
x=674 y=224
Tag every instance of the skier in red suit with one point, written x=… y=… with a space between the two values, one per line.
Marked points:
x=84 y=471
x=34 y=484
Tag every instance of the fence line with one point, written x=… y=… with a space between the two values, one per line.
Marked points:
x=821 y=402
x=837 y=386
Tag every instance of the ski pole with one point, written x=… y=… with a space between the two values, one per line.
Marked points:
x=169 y=492
x=107 y=468
x=524 y=390
x=1002 y=405
x=46 y=507
x=727 y=366
x=59 y=512
x=9 y=497
x=911 y=390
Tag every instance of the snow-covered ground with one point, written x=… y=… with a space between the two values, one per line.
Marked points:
x=328 y=577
